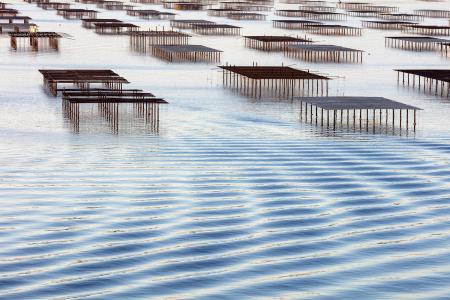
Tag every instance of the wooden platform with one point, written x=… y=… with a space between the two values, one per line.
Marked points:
x=325 y=53
x=294 y=24
x=183 y=5
x=274 y=81
x=364 y=113
x=34 y=41
x=192 y=53
x=216 y=29
x=433 y=13
x=90 y=23
x=313 y=15
x=188 y=24
x=76 y=13
x=246 y=16
x=148 y=14
x=386 y=25
x=329 y=29
x=143 y=40
x=220 y=12
x=5 y=20
x=8 y=12
x=80 y=78
x=400 y=17
x=435 y=81
x=414 y=43
x=273 y=42
x=115 y=28
x=426 y=29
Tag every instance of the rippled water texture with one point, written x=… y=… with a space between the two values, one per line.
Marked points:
x=231 y=197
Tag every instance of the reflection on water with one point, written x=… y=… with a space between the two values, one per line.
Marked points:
x=118 y=118
x=229 y=197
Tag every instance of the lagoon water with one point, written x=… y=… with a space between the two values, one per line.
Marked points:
x=231 y=198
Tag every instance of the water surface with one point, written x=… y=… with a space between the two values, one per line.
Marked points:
x=231 y=197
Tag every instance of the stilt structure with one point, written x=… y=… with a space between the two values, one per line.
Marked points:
x=400 y=17
x=244 y=6
x=114 y=5
x=353 y=5
x=274 y=82
x=90 y=23
x=312 y=2
x=144 y=40
x=324 y=29
x=317 y=8
x=115 y=28
x=370 y=114
x=386 y=25
x=445 y=49
x=383 y=8
x=231 y=4
x=324 y=53
x=81 y=79
x=77 y=13
x=426 y=29
x=216 y=29
x=8 y=12
x=104 y=3
x=188 y=24
x=15 y=24
x=433 y=81
x=15 y=20
x=253 y=7
x=87 y=1
x=111 y=106
x=273 y=43
x=414 y=43
x=313 y=15
x=183 y=5
x=368 y=13
x=220 y=12
x=148 y=14
x=193 y=53
x=433 y=13
x=147 y=1
x=53 y=5
x=246 y=16
x=262 y=2
x=293 y=24
x=304 y=2
x=34 y=41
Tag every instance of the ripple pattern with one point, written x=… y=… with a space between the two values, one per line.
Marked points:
x=227 y=218
x=232 y=198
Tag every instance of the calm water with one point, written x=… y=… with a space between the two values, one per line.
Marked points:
x=231 y=198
